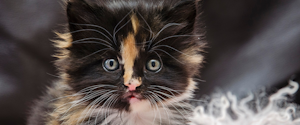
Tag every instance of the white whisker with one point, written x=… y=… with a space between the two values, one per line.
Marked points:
x=162 y=29
x=84 y=99
x=92 y=38
x=121 y=27
x=165 y=27
x=171 y=97
x=156 y=108
x=149 y=28
x=172 y=49
x=96 y=102
x=161 y=102
x=200 y=80
x=93 y=25
x=94 y=42
x=96 y=53
x=108 y=100
x=93 y=30
x=152 y=103
x=169 y=55
x=79 y=93
x=174 y=36
x=114 y=32
x=171 y=91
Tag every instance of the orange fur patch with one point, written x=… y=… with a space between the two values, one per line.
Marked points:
x=65 y=41
x=135 y=23
x=129 y=52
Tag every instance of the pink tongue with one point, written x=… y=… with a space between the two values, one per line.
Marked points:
x=133 y=100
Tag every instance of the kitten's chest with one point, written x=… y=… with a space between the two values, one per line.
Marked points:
x=176 y=114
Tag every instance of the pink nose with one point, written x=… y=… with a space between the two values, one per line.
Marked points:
x=133 y=84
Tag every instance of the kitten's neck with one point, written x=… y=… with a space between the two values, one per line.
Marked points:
x=175 y=114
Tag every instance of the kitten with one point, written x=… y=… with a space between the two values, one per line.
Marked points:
x=125 y=62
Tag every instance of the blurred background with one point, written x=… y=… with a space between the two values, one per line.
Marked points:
x=252 y=44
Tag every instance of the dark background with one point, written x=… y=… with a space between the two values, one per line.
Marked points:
x=252 y=43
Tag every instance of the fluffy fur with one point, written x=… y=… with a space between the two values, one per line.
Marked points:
x=132 y=33
x=104 y=61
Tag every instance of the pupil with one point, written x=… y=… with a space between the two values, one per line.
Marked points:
x=111 y=63
x=153 y=64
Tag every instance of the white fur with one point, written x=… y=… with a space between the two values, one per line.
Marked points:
x=188 y=94
x=143 y=114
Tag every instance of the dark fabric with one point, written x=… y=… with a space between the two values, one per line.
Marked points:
x=252 y=43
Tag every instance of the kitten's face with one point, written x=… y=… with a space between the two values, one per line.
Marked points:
x=122 y=56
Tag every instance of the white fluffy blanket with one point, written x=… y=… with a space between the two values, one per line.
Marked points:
x=255 y=109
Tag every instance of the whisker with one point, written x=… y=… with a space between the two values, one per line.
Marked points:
x=174 y=36
x=94 y=42
x=170 y=97
x=200 y=80
x=84 y=99
x=121 y=27
x=77 y=41
x=152 y=103
x=149 y=28
x=82 y=91
x=97 y=102
x=53 y=75
x=179 y=104
x=156 y=108
x=96 y=86
x=166 y=88
x=159 y=58
x=166 y=26
x=93 y=30
x=114 y=32
x=73 y=95
x=170 y=90
x=114 y=100
x=169 y=55
x=104 y=104
x=172 y=49
x=93 y=25
x=161 y=102
x=96 y=53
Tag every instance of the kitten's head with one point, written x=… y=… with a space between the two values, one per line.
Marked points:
x=124 y=52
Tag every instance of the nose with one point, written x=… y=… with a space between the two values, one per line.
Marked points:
x=133 y=84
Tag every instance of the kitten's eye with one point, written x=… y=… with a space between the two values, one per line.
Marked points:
x=153 y=65
x=111 y=64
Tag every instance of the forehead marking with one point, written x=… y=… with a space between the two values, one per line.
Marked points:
x=129 y=53
x=135 y=23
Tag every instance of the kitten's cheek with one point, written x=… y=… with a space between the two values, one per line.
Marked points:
x=133 y=100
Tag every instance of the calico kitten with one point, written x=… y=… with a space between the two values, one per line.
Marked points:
x=125 y=62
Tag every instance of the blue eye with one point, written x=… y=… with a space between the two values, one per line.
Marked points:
x=111 y=65
x=153 y=65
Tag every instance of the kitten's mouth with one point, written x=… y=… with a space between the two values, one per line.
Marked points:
x=132 y=97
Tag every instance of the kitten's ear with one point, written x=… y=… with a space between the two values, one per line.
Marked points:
x=80 y=12
x=184 y=10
